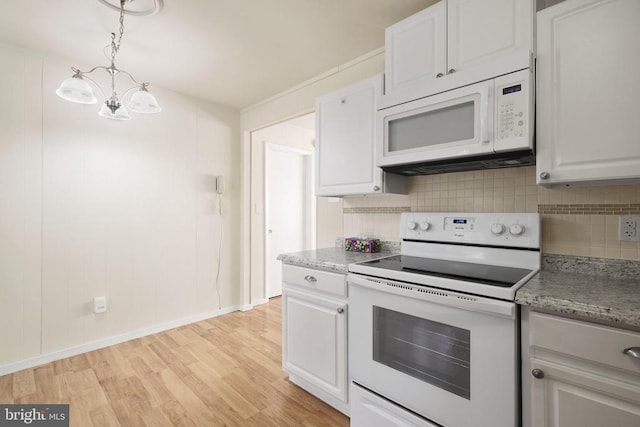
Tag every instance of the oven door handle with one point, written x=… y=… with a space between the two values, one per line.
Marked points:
x=434 y=295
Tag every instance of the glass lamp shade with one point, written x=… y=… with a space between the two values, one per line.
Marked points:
x=120 y=114
x=77 y=90
x=143 y=102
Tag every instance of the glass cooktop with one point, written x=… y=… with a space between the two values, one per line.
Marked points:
x=504 y=277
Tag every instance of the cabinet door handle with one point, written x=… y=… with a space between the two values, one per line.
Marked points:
x=451 y=71
x=376 y=188
x=632 y=352
x=538 y=373
x=544 y=175
x=340 y=310
x=310 y=278
x=439 y=75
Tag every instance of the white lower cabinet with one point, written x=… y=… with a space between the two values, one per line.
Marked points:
x=576 y=374
x=314 y=333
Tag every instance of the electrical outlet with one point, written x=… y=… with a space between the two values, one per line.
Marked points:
x=629 y=228
x=99 y=304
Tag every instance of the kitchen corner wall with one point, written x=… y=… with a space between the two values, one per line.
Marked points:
x=581 y=221
x=92 y=207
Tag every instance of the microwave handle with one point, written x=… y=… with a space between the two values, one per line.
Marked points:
x=484 y=115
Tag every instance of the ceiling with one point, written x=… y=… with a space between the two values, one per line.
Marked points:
x=231 y=52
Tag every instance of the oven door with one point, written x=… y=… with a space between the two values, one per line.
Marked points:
x=457 y=123
x=449 y=357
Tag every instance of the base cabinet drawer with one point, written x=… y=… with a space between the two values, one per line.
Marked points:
x=587 y=341
x=309 y=278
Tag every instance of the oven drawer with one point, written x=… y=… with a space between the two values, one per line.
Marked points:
x=369 y=409
x=587 y=341
x=309 y=278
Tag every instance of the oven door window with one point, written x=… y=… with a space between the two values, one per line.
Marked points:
x=433 y=352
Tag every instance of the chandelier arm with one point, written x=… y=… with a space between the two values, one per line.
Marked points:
x=104 y=52
x=134 y=80
x=84 y=73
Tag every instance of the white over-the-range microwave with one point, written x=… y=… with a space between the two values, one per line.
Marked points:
x=484 y=125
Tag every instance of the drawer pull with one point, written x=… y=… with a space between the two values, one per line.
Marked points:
x=632 y=352
x=538 y=373
x=310 y=278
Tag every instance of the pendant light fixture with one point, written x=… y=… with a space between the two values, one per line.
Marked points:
x=77 y=88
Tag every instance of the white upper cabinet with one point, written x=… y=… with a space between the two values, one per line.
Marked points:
x=483 y=31
x=345 y=135
x=416 y=49
x=588 y=92
x=454 y=43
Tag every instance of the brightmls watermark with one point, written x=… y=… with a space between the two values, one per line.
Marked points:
x=34 y=415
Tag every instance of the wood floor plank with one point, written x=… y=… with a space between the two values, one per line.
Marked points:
x=6 y=388
x=223 y=371
x=76 y=382
x=73 y=364
x=47 y=383
x=24 y=383
x=159 y=394
x=103 y=416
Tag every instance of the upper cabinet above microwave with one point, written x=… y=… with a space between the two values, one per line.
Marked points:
x=455 y=43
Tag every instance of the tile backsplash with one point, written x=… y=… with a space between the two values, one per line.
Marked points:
x=581 y=221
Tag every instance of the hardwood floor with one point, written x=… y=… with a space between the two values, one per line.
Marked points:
x=224 y=371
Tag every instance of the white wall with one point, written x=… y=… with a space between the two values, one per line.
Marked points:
x=90 y=206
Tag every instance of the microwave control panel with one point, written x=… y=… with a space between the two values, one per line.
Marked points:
x=512 y=108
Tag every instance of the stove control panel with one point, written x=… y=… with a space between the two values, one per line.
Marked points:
x=493 y=229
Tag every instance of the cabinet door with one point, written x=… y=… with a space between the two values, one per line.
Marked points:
x=415 y=49
x=345 y=140
x=568 y=397
x=587 y=92
x=314 y=341
x=484 y=31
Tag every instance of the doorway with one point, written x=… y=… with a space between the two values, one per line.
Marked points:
x=289 y=208
x=289 y=144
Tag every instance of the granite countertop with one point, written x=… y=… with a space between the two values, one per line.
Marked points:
x=601 y=290
x=335 y=260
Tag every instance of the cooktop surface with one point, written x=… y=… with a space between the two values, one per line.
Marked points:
x=493 y=275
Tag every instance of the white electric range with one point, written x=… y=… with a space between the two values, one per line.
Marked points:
x=434 y=331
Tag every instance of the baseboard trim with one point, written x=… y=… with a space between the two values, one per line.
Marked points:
x=261 y=301
x=117 y=339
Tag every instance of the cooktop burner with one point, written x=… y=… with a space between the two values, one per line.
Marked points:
x=504 y=277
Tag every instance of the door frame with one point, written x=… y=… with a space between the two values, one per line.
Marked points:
x=310 y=199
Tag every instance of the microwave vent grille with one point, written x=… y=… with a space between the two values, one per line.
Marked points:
x=464 y=164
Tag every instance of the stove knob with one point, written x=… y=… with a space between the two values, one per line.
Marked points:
x=516 y=229
x=411 y=225
x=497 y=229
x=425 y=225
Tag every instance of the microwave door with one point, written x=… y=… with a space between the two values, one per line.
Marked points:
x=453 y=124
